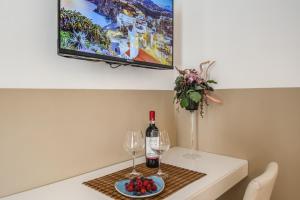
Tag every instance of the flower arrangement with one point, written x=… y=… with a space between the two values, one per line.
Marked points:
x=193 y=88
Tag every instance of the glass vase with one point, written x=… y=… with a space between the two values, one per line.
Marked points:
x=193 y=154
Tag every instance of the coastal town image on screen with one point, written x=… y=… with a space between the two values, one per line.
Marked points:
x=139 y=30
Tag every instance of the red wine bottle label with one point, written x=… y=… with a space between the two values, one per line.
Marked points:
x=151 y=142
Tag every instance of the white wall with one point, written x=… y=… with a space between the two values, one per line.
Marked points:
x=256 y=43
x=28 y=56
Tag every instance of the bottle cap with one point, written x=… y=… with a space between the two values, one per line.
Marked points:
x=152 y=115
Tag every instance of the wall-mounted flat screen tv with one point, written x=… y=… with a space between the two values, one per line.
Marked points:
x=135 y=32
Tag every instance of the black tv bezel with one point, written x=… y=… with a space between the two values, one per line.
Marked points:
x=110 y=59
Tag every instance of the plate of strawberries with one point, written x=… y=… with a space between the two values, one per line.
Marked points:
x=140 y=187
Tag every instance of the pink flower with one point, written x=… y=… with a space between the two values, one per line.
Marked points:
x=190 y=80
x=191 y=77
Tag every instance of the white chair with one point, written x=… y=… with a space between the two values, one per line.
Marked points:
x=261 y=187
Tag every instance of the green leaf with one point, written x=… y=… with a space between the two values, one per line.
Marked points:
x=195 y=96
x=189 y=91
x=184 y=103
x=178 y=80
x=199 y=87
x=212 y=81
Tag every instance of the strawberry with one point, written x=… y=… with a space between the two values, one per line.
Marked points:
x=130 y=188
x=146 y=182
x=143 y=190
x=140 y=183
x=149 y=187
x=154 y=187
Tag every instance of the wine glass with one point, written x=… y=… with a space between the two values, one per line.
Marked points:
x=159 y=147
x=134 y=143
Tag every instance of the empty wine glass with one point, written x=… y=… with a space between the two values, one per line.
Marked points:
x=159 y=147
x=134 y=143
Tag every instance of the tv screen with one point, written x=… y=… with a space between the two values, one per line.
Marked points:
x=136 y=32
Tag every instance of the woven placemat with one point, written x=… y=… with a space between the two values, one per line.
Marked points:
x=177 y=179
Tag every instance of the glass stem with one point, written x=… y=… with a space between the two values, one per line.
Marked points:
x=133 y=161
x=159 y=163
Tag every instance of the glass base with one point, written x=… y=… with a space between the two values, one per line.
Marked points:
x=134 y=174
x=192 y=156
x=162 y=174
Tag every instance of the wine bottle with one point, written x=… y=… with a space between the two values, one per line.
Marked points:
x=151 y=138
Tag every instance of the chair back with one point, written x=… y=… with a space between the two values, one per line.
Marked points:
x=261 y=187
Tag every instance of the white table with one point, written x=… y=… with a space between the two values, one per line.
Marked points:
x=222 y=173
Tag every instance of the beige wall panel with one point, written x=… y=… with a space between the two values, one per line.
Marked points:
x=50 y=135
x=260 y=125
